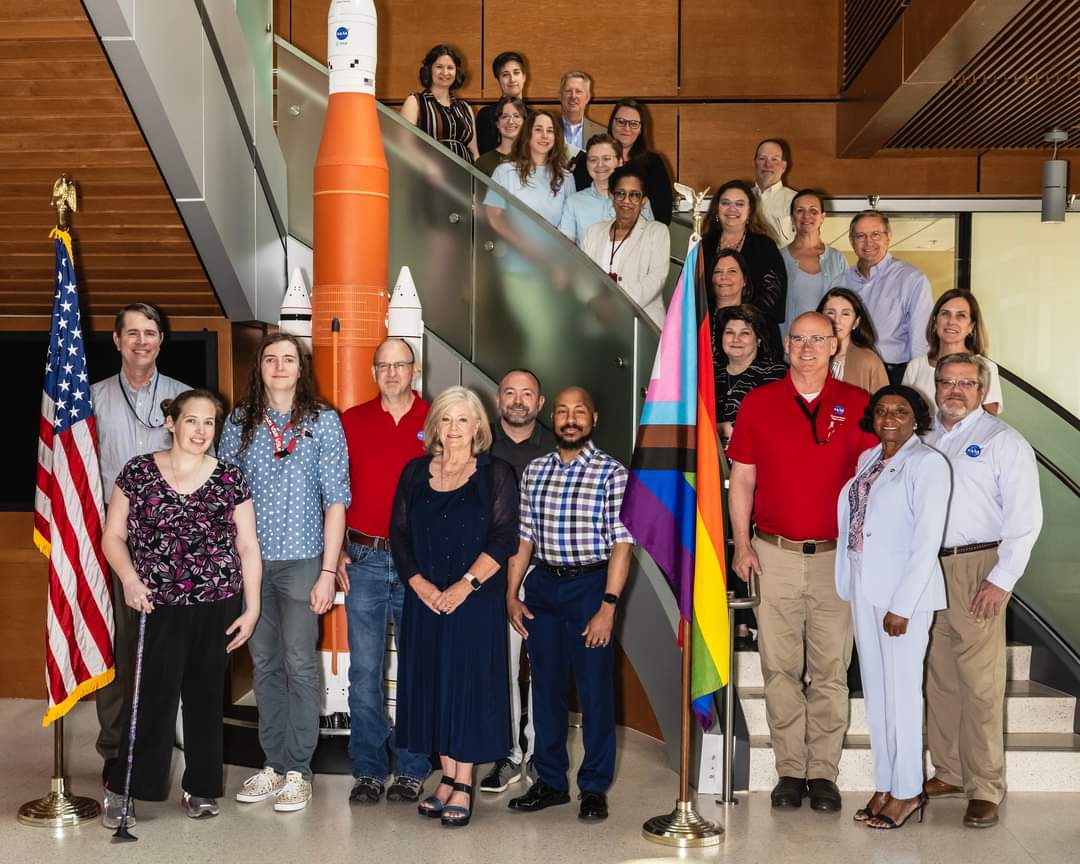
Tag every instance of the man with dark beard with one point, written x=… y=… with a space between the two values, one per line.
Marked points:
x=570 y=502
x=519 y=438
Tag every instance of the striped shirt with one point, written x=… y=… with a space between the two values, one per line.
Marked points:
x=570 y=511
x=451 y=125
x=730 y=389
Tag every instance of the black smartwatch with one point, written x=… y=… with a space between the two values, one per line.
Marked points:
x=472 y=580
x=613 y=599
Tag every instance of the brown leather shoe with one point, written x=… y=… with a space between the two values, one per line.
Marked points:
x=935 y=788
x=981 y=814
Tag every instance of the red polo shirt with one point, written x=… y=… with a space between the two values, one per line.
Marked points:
x=798 y=477
x=378 y=451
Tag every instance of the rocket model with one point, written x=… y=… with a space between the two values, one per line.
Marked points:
x=405 y=319
x=295 y=314
x=351 y=213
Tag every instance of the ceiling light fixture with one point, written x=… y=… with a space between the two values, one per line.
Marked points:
x=1055 y=179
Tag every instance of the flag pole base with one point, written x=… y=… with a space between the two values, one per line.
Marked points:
x=59 y=809
x=683 y=828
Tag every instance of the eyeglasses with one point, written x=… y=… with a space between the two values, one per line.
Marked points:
x=400 y=366
x=631 y=195
x=624 y=123
x=957 y=383
x=510 y=118
x=815 y=340
x=876 y=236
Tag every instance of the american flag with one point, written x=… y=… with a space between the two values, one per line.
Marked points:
x=68 y=508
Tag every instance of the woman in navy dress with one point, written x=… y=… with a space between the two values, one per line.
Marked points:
x=453 y=527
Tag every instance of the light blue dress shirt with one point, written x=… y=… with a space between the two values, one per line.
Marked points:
x=574 y=135
x=898 y=298
x=291 y=493
x=587 y=207
x=805 y=290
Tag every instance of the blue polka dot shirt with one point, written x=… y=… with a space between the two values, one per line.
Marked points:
x=291 y=493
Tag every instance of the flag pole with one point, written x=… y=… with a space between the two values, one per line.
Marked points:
x=58 y=809
x=683 y=827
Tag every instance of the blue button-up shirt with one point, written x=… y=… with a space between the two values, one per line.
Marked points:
x=898 y=298
x=574 y=135
x=131 y=426
x=291 y=493
x=584 y=209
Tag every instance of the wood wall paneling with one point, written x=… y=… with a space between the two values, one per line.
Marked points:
x=741 y=48
x=407 y=29
x=24 y=581
x=1019 y=172
x=630 y=49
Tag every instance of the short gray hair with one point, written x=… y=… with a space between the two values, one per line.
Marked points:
x=575 y=73
x=450 y=396
x=970 y=359
x=869 y=214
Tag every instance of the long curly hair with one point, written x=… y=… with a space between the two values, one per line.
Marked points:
x=249 y=411
x=521 y=154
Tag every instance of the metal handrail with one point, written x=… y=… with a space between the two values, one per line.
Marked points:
x=750 y=602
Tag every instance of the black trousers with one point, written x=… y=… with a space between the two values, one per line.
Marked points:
x=895 y=371
x=183 y=655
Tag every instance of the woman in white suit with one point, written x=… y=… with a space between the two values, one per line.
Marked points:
x=632 y=250
x=892 y=521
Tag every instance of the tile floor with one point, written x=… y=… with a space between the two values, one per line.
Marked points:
x=1036 y=827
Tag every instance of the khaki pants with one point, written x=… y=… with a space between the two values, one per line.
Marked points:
x=805 y=631
x=965 y=685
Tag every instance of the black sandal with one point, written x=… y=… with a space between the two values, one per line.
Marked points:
x=454 y=815
x=865 y=814
x=886 y=823
x=432 y=806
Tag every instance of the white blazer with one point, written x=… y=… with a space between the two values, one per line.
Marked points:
x=902 y=532
x=643 y=262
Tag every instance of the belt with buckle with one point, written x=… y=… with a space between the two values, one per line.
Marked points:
x=571 y=571
x=806 y=547
x=970 y=547
x=379 y=544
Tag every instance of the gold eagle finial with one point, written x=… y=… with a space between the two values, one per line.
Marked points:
x=64 y=198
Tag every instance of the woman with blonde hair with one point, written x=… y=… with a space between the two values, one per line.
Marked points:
x=453 y=526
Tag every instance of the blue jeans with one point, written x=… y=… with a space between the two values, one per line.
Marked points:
x=374 y=593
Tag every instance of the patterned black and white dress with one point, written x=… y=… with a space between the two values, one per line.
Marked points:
x=452 y=125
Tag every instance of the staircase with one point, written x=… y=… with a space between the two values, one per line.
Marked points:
x=1042 y=754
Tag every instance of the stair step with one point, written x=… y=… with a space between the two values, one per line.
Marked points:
x=1034 y=762
x=1030 y=707
x=748 y=666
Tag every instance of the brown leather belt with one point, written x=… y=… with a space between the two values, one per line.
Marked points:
x=379 y=544
x=806 y=547
x=971 y=547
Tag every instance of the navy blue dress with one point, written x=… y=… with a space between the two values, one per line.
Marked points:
x=453 y=681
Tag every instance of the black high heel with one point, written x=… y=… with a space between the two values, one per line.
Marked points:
x=454 y=815
x=888 y=824
x=432 y=806
x=865 y=814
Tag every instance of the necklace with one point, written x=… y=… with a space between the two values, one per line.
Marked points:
x=457 y=477
x=153 y=400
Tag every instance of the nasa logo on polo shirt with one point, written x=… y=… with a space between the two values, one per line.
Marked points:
x=420 y=435
x=837 y=413
x=974 y=451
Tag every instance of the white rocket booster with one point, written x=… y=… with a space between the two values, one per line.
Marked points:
x=352 y=49
x=295 y=314
x=405 y=317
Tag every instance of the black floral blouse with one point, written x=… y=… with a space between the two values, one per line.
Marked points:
x=184 y=546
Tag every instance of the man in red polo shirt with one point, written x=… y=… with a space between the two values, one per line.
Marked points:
x=795 y=444
x=382 y=435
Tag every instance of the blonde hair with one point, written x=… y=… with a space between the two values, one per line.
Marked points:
x=451 y=396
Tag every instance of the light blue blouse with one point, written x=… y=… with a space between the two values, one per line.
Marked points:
x=805 y=290
x=587 y=207
x=535 y=191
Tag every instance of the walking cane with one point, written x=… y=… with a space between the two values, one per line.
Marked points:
x=122 y=834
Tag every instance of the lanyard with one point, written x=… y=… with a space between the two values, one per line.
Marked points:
x=615 y=247
x=812 y=417
x=281 y=449
x=153 y=399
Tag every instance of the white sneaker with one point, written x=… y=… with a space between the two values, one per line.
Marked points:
x=295 y=794
x=258 y=787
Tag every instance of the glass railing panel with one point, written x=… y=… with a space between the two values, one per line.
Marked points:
x=1048 y=432
x=1025 y=275
x=1050 y=585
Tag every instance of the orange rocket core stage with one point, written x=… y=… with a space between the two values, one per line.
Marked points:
x=351 y=226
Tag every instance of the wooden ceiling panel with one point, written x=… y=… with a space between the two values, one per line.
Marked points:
x=65 y=113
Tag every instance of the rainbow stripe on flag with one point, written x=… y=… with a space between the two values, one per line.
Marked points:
x=673 y=503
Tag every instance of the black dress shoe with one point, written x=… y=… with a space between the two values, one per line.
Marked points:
x=745 y=643
x=593 y=806
x=789 y=792
x=824 y=796
x=539 y=796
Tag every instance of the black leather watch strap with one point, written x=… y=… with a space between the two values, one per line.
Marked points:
x=613 y=599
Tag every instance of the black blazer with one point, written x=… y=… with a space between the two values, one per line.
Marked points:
x=657 y=183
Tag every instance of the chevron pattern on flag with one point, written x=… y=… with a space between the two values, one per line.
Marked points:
x=68 y=508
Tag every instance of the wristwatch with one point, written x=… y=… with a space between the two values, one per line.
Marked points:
x=613 y=599
x=472 y=580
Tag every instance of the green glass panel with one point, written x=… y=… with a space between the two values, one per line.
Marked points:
x=1046 y=431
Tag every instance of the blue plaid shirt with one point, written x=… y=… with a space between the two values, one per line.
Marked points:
x=570 y=512
x=291 y=493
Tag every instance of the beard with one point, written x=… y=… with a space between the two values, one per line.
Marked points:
x=577 y=444
x=517 y=420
